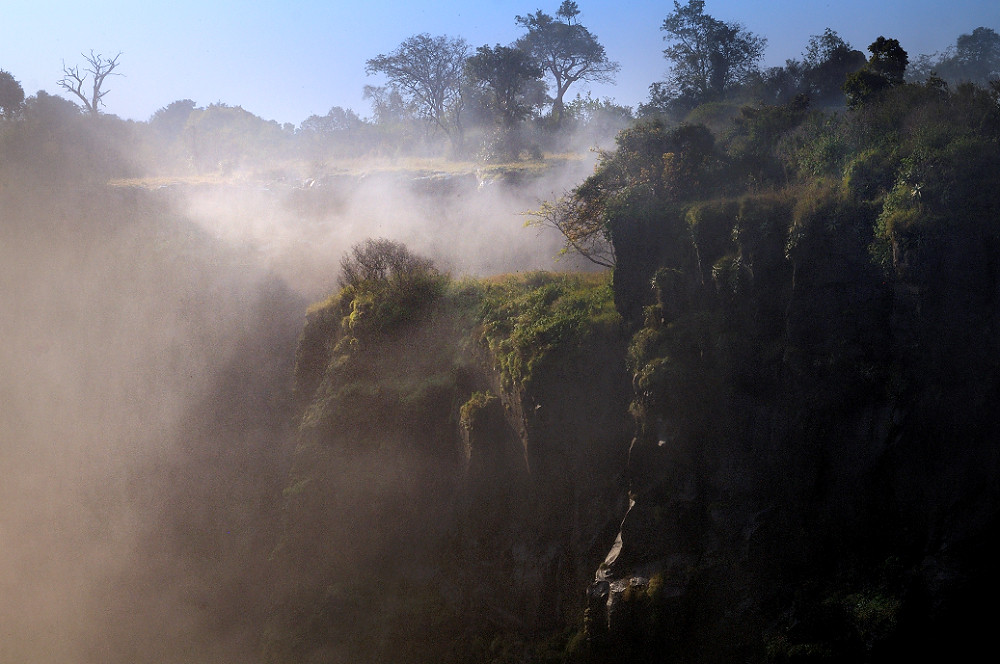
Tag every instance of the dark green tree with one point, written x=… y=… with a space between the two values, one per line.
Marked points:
x=505 y=81
x=885 y=69
x=566 y=50
x=827 y=62
x=709 y=57
x=11 y=95
x=427 y=73
x=888 y=59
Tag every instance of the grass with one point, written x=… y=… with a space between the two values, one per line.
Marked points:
x=526 y=318
x=357 y=167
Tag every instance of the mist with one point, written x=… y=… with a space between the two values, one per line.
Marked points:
x=147 y=426
x=120 y=333
x=299 y=228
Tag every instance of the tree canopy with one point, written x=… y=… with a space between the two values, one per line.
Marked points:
x=504 y=75
x=11 y=94
x=709 y=56
x=566 y=50
x=885 y=69
x=427 y=72
x=827 y=62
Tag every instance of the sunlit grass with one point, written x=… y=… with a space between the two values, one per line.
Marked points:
x=357 y=167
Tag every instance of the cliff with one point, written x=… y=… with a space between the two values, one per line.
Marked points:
x=458 y=469
x=769 y=438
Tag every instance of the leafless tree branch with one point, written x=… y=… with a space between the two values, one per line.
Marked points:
x=100 y=68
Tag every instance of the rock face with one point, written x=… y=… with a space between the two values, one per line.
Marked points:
x=827 y=493
x=811 y=473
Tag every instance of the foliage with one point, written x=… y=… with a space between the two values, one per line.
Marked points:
x=974 y=58
x=653 y=166
x=506 y=83
x=221 y=137
x=597 y=120
x=471 y=409
x=52 y=141
x=709 y=57
x=527 y=319
x=11 y=95
x=753 y=135
x=566 y=50
x=504 y=76
x=816 y=80
x=885 y=69
x=427 y=72
x=827 y=62
x=170 y=120
x=380 y=261
x=386 y=285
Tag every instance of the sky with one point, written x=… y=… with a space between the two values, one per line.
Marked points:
x=287 y=60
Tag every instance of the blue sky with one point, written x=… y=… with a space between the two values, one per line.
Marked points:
x=288 y=60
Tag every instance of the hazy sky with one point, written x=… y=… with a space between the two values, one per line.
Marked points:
x=291 y=59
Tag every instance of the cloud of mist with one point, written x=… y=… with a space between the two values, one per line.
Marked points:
x=469 y=225
x=135 y=368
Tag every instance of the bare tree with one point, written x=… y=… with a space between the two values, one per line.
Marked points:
x=100 y=68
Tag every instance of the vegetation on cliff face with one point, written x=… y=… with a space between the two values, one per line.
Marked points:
x=766 y=433
x=806 y=303
x=420 y=398
x=814 y=364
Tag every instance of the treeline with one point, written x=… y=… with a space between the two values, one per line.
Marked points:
x=440 y=95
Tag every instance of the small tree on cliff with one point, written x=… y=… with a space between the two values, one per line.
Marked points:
x=386 y=284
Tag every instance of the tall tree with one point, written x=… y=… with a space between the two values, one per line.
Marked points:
x=566 y=50
x=427 y=72
x=827 y=62
x=975 y=58
x=504 y=75
x=100 y=68
x=885 y=69
x=11 y=94
x=710 y=57
x=888 y=59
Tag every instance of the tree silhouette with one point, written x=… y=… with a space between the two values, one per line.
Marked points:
x=100 y=68
x=566 y=50
x=11 y=94
x=709 y=56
